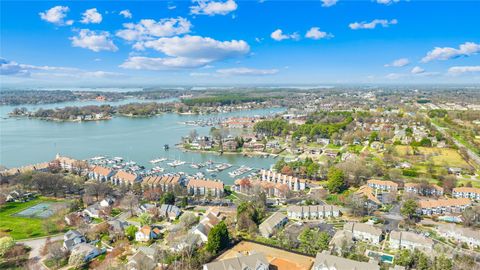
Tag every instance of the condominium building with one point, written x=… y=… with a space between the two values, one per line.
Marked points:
x=293 y=183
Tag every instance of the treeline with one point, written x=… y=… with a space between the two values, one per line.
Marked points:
x=218 y=100
x=275 y=127
x=35 y=97
x=145 y=109
x=66 y=113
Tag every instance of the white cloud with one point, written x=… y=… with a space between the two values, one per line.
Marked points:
x=162 y=63
x=329 y=3
x=211 y=7
x=278 y=35
x=387 y=2
x=126 y=14
x=398 y=63
x=11 y=68
x=148 y=29
x=56 y=15
x=445 y=53
x=94 y=40
x=91 y=16
x=186 y=52
x=463 y=69
x=372 y=24
x=247 y=71
x=417 y=70
x=315 y=33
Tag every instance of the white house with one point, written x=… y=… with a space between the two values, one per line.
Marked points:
x=467 y=192
x=410 y=240
x=313 y=211
x=364 y=232
x=325 y=261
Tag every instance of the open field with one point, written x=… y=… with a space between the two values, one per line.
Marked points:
x=445 y=157
x=281 y=259
x=22 y=227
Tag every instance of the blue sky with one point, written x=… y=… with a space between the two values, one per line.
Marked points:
x=140 y=43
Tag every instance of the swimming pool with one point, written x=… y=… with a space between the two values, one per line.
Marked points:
x=383 y=257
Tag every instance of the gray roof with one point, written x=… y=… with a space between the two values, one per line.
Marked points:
x=249 y=262
x=269 y=224
x=362 y=227
x=167 y=209
x=71 y=234
x=324 y=260
x=411 y=237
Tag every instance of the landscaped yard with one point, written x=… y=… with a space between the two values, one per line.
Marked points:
x=22 y=227
x=445 y=157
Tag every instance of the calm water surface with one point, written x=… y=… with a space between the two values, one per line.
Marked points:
x=28 y=141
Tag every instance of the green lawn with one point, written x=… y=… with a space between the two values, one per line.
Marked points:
x=21 y=227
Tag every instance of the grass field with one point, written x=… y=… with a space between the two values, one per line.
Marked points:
x=21 y=227
x=444 y=157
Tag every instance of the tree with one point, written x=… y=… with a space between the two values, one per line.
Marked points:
x=145 y=219
x=409 y=209
x=442 y=263
x=57 y=253
x=313 y=241
x=168 y=198
x=218 y=238
x=187 y=220
x=130 y=232
x=335 y=178
x=6 y=243
x=76 y=260
x=130 y=202
x=471 y=216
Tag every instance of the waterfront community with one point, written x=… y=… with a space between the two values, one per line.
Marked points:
x=318 y=182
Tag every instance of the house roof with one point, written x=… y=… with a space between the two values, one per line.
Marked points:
x=205 y=183
x=444 y=202
x=102 y=170
x=313 y=208
x=467 y=189
x=411 y=237
x=324 y=260
x=272 y=221
x=362 y=227
x=368 y=192
x=126 y=176
x=146 y=230
x=253 y=261
x=418 y=185
x=382 y=182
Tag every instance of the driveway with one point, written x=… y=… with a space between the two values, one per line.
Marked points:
x=36 y=245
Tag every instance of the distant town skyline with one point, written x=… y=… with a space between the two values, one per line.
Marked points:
x=204 y=42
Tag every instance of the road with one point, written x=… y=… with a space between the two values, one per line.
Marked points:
x=36 y=245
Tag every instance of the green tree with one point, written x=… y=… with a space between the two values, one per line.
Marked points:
x=442 y=263
x=145 y=219
x=218 y=238
x=6 y=243
x=409 y=209
x=336 y=180
x=404 y=258
x=130 y=232
x=168 y=198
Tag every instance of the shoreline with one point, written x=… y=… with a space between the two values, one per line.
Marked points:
x=246 y=154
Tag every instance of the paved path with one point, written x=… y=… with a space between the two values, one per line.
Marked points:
x=36 y=245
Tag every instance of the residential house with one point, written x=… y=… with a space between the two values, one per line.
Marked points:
x=169 y=211
x=101 y=173
x=93 y=210
x=256 y=261
x=146 y=233
x=442 y=206
x=143 y=259
x=424 y=190
x=73 y=238
x=69 y=164
x=466 y=192
x=126 y=178
x=117 y=225
x=293 y=183
x=20 y=196
x=273 y=222
x=461 y=234
x=107 y=202
x=370 y=195
x=325 y=261
x=164 y=182
x=340 y=239
x=146 y=207
x=364 y=232
x=313 y=211
x=229 y=146
x=383 y=185
x=200 y=187
x=410 y=240
x=206 y=224
x=88 y=251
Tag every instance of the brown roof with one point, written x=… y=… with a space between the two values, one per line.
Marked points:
x=126 y=176
x=467 y=189
x=368 y=192
x=205 y=183
x=101 y=170
x=146 y=230
x=444 y=202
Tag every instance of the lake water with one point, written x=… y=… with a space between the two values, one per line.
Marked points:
x=27 y=141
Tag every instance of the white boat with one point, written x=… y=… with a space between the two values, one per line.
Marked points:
x=212 y=170
x=98 y=158
x=153 y=161
x=176 y=163
x=242 y=170
x=158 y=169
